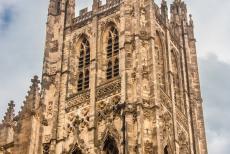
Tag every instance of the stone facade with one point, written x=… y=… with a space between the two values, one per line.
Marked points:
x=122 y=78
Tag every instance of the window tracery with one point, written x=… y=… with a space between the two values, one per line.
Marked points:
x=112 y=54
x=84 y=66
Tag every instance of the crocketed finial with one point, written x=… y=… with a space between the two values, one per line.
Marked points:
x=9 y=115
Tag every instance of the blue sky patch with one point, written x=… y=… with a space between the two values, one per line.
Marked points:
x=6 y=18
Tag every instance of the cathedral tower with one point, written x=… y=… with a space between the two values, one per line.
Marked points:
x=120 y=79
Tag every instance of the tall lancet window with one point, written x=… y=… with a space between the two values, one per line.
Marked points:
x=84 y=66
x=113 y=54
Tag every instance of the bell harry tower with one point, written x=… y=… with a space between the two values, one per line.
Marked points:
x=119 y=79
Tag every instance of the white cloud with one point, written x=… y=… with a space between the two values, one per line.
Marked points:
x=22 y=44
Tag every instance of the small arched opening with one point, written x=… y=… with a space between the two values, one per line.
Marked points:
x=110 y=146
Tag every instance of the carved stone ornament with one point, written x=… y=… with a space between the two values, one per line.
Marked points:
x=181 y=118
x=166 y=101
x=77 y=123
x=49 y=109
x=47 y=138
x=78 y=99
x=166 y=125
x=183 y=140
x=148 y=147
x=106 y=90
x=109 y=109
x=143 y=20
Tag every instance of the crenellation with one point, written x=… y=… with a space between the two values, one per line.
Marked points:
x=83 y=11
x=86 y=15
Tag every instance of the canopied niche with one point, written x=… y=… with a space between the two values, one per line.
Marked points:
x=175 y=60
x=159 y=47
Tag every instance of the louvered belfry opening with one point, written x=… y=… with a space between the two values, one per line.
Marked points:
x=112 y=54
x=84 y=66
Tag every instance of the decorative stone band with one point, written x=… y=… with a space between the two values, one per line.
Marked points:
x=83 y=18
x=83 y=97
x=108 y=89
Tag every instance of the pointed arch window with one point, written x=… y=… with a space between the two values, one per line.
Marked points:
x=84 y=66
x=166 y=150
x=112 y=54
x=110 y=146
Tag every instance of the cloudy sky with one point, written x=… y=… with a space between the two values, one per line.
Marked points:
x=22 y=33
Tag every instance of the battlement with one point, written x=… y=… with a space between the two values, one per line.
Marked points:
x=85 y=15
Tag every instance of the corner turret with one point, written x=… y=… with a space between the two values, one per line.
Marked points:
x=164 y=10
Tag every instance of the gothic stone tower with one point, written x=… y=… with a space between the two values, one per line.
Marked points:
x=120 y=79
